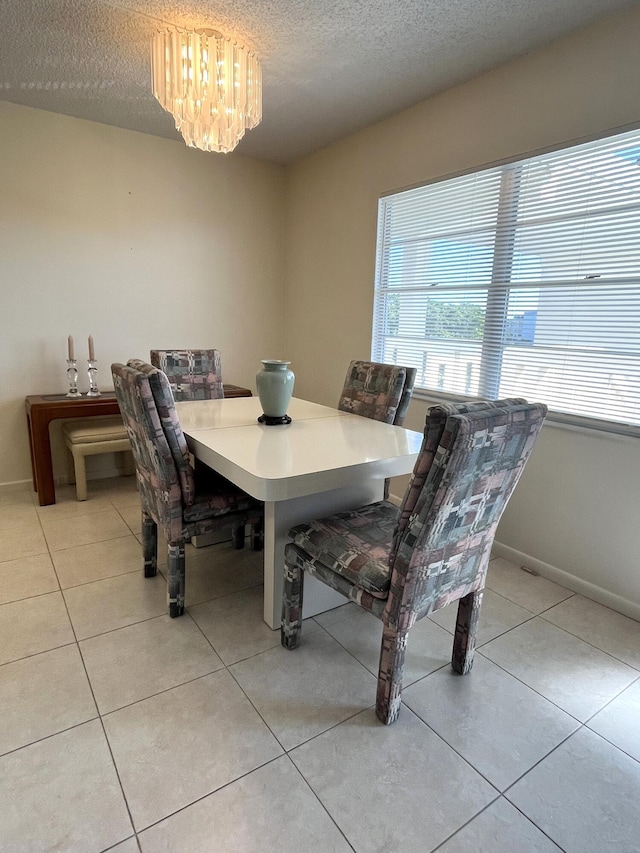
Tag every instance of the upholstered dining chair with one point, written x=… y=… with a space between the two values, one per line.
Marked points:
x=407 y=393
x=183 y=503
x=378 y=391
x=193 y=374
x=402 y=564
x=194 y=386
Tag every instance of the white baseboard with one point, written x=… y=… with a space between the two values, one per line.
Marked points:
x=572 y=582
x=16 y=486
x=63 y=480
x=101 y=474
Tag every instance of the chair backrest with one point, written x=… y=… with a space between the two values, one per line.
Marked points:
x=155 y=467
x=163 y=397
x=443 y=552
x=193 y=374
x=433 y=430
x=407 y=391
x=373 y=390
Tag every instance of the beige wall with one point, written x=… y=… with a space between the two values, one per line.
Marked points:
x=140 y=242
x=574 y=516
x=93 y=218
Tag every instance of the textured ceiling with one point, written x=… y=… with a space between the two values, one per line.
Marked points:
x=329 y=67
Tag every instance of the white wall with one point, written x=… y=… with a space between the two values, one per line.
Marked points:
x=141 y=242
x=574 y=515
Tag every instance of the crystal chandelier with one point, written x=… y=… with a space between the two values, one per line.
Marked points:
x=211 y=87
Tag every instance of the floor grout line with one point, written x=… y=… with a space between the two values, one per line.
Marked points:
x=581 y=725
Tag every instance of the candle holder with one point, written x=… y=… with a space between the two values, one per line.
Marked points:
x=91 y=372
x=72 y=376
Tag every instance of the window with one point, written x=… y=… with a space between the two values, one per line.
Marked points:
x=520 y=280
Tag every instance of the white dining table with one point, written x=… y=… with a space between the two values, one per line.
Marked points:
x=324 y=461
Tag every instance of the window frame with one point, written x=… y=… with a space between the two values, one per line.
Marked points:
x=566 y=420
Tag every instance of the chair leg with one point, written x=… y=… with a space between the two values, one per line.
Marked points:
x=292 y=597
x=392 y=653
x=464 y=641
x=257 y=535
x=149 y=545
x=175 y=579
x=238 y=536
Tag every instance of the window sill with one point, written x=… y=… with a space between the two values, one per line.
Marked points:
x=557 y=420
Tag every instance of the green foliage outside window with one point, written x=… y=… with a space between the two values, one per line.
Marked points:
x=454 y=320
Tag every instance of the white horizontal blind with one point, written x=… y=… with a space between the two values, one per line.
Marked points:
x=520 y=280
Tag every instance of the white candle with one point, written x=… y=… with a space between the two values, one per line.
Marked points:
x=70 y=346
x=92 y=354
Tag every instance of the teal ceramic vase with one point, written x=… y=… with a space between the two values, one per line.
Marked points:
x=275 y=386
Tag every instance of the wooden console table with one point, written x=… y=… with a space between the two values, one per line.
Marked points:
x=44 y=408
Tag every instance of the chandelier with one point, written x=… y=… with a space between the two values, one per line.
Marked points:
x=211 y=87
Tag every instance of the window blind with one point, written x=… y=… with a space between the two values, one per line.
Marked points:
x=520 y=280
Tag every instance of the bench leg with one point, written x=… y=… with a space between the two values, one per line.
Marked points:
x=71 y=466
x=129 y=465
x=81 y=475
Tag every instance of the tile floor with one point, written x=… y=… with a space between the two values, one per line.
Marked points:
x=125 y=730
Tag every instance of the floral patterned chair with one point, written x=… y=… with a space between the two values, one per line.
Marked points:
x=402 y=564
x=173 y=496
x=193 y=374
x=377 y=391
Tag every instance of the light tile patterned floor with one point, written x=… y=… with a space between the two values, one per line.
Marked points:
x=127 y=731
